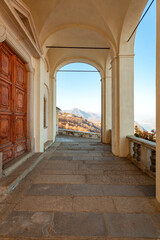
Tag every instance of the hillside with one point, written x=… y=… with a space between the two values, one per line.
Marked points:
x=73 y=122
x=139 y=126
x=76 y=119
x=86 y=115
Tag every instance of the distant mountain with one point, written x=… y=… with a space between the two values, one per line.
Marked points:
x=78 y=123
x=139 y=126
x=149 y=124
x=86 y=115
x=94 y=117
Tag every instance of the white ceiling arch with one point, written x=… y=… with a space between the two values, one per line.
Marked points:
x=79 y=59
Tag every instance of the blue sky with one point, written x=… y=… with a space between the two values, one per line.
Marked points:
x=145 y=69
x=80 y=90
x=83 y=90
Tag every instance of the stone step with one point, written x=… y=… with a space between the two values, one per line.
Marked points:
x=47 y=145
x=8 y=183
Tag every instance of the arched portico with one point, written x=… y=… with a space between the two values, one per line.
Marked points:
x=77 y=23
x=67 y=61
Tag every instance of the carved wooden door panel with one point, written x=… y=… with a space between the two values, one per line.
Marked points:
x=20 y=106
x=13 y=105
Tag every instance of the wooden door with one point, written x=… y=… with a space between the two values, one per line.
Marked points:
x=13 y=104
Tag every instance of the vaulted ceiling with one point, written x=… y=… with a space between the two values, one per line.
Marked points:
x=92 y=23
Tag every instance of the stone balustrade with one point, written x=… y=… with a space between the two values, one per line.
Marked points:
x=79 y=134
x=143 y=154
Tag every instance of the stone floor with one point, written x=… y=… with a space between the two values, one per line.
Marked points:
x=80 y=191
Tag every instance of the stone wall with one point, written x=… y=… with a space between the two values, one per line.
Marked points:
x=79 y=134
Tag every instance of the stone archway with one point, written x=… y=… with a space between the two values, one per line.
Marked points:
x=91 y=63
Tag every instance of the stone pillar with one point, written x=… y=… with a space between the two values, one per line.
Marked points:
x=50 y=109
x=54 y=109
x=108 y=107
x=122 y=103
x=30 y=110
x=39 y=105
x=115 y=108
x=157 y=105
x=103 y=114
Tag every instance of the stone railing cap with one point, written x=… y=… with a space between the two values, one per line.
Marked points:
x=143 y=142
x=67 y=130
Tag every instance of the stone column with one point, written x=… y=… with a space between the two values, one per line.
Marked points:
x=108 y=107
x=50 y=120
x=115 y=107
x=158 y=106
x=30 y=111
x=103 y=112
x=39 y=105
x=122 y=103
x=54 y=109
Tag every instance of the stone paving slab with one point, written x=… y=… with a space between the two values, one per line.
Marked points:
x=5 y=210
x=144 y=180
x=83 y=190
x=121 y=190
x=148 y=190
x=95 y=154
x=45 y=203
x=93 y=204
x=97 y=179
x=71 y=151
x=87 y=158
x=55 y=158
x=123 y=173
x=105 y=163
x=79 y=224
x=64 y=166
x=132 y=225
x=113 y=180
x=46 y=190
x=71 y=172
x=105 y=158
x=135 y=205
x=156 y=218
x=28 y=224
x=61 y=179
x=111 y=166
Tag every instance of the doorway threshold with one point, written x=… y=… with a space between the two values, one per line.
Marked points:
x=14 y=177
x=9 y=167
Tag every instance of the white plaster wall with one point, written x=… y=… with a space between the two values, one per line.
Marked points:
x=45 y=77
x=41 y=83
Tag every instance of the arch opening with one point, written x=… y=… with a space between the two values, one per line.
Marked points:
x=78 y=94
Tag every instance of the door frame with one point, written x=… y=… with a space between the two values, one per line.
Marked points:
x=21 y=52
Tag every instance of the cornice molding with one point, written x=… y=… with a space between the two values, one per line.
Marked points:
x=21 y=14
x=10 y=39
x=122 y=56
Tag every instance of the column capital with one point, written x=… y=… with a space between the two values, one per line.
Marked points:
x=108 y=76
x=102 y=79
x=113 y=59
x=126 y=55
x=52 y=78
